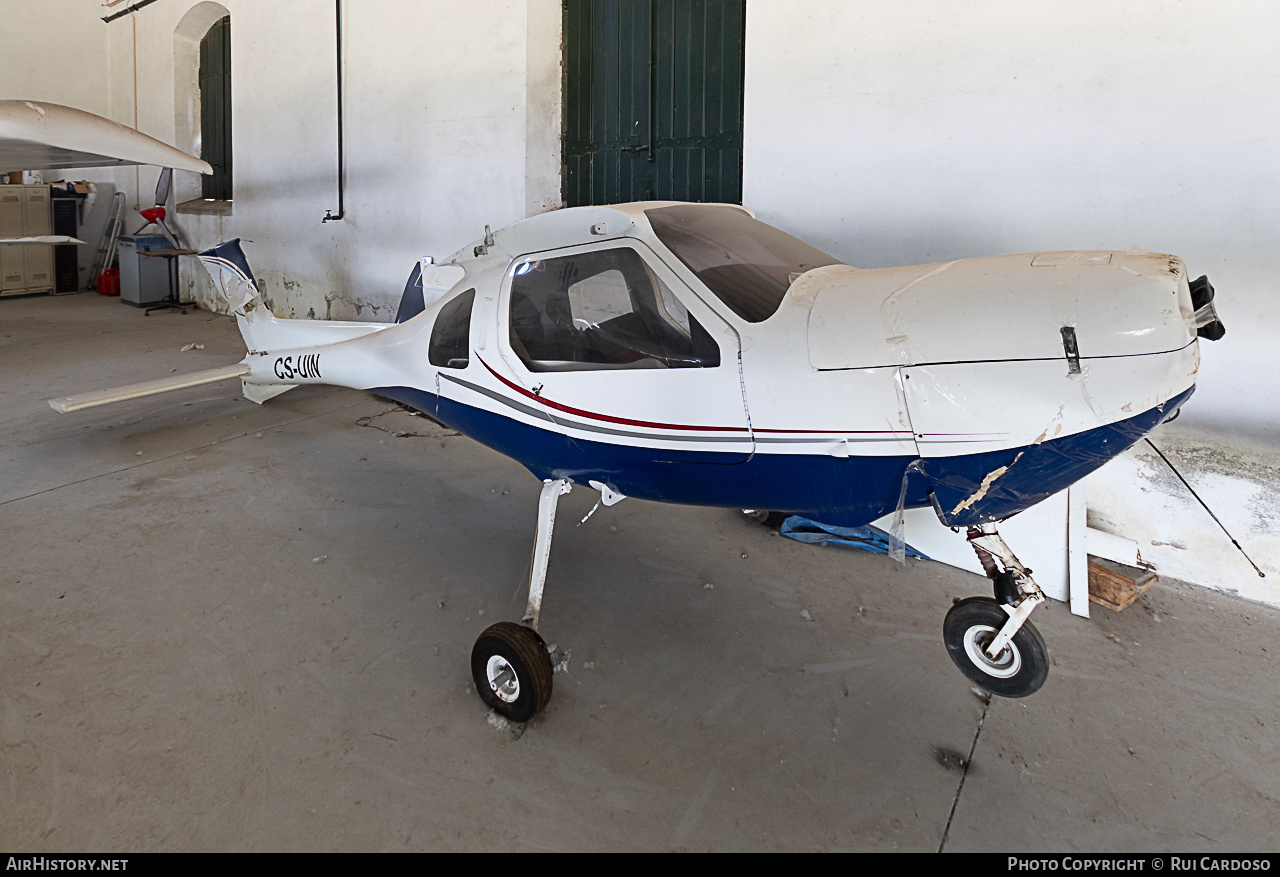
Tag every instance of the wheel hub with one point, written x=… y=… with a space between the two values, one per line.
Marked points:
x=1004 y=666
x=502 y=679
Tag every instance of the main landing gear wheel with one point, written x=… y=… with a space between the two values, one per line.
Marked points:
x=512 y=670
x=1019 y=670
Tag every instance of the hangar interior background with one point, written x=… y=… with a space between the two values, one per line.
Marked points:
x=886 y=133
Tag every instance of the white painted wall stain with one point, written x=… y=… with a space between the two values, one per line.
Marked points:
x=1137 y=496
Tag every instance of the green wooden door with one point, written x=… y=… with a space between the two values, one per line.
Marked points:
x=653 y=100
x=215 y=109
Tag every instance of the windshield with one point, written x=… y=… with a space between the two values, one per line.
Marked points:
x=748 y=264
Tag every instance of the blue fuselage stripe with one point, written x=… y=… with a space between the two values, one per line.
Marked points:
x=848 y=491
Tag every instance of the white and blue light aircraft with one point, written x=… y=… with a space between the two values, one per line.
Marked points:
x=690 y=353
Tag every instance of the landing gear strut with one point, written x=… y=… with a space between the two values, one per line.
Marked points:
x=991 y=640
x=511 y=663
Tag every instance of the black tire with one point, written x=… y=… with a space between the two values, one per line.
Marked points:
x=526 y=654
x=1023 y=666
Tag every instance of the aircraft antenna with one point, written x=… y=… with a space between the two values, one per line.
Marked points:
x=1260 y=573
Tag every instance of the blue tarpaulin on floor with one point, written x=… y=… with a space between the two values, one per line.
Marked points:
x=866 y=538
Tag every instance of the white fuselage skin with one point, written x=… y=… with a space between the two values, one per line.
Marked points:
x=935 y=361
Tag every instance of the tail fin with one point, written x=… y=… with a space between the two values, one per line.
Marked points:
x=234 y=281
x=260 y=329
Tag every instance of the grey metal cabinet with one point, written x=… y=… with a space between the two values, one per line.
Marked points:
x=143 y=281
x=25 y=268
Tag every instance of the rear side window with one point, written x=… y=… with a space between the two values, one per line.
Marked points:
x=451 y=335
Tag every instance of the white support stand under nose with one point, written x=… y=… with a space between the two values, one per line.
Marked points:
x=547 y=502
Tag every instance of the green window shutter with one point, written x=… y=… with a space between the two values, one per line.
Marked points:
x=215 y=109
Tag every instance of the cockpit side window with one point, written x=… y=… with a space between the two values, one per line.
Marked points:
x=599 y=310
x=451 y=335
x=747 y=264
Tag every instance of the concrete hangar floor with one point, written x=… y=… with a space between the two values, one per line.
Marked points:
x=239 y=627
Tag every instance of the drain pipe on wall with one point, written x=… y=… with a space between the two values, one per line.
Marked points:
x=342 y=168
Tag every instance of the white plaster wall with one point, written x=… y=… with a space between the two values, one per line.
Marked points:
x=1138 y=496
x=451 y=122
x=57 y=53
x=53 y=51
x=895 y=133
x=436 y=128
x=543 y=107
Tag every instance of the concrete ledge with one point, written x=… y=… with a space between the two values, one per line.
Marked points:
x=206 y=207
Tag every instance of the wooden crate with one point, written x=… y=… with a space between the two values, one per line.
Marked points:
x=1115 y=585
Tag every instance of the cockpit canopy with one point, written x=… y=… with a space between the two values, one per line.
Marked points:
x=749 y=265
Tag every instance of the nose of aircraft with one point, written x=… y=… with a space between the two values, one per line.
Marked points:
x=1208 y=324
x=1021 y=374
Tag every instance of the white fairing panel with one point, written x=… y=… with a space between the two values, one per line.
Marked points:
x=999 y=308
x=438 y=280
x=969 y=408
x=796 y=409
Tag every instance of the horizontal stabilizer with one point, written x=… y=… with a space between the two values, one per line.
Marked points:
x=147 y=388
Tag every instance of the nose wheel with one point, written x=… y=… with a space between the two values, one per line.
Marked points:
x=991 y=641
x=1018 y=669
